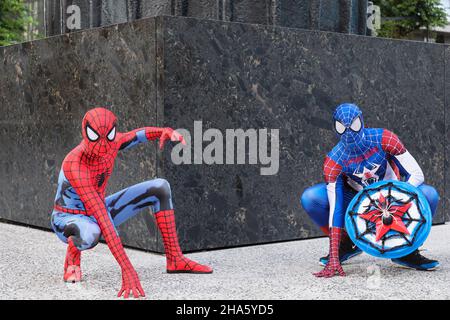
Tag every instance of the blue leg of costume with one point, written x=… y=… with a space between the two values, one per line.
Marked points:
x=123 y=205
x=432 y=196
x=315 y=202
x=84 y=230
x=415 y=260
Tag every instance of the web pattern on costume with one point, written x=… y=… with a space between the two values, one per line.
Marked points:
x=86 y=171
x=82 y=184
x=347 y=113
x=372 y=155
x=176 y=261
x=88 y=168
x=358 y=209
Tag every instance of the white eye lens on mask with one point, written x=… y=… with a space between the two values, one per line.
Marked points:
x=340 y=128
x=91 y=134
x=112 y=134
x=356 y=125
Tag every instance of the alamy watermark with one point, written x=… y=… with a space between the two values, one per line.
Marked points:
x=234 y=146
x=373 y=17
x=73 y=21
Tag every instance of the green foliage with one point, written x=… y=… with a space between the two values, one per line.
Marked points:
x=401 y=17
x=14 y=19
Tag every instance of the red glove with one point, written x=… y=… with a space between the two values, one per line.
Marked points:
x=334 y=265
x=171 y=134
x=131 y=283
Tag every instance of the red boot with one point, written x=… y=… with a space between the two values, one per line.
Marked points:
x=72 y=269
x=176 y=262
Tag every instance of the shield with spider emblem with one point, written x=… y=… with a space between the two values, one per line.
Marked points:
x=388 y=219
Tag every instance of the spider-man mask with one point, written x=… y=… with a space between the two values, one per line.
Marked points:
x=349 y=124
x=99 y=131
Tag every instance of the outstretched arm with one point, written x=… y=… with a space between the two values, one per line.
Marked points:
x=78 y=176
x=132 y=138
x=408 y=166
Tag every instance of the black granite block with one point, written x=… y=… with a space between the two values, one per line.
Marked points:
x=46 y=87
x=246 y=76
x=421 y=131
x=172 y=71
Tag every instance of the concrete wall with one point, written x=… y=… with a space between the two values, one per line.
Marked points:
x=347 y=16
x=172 y=71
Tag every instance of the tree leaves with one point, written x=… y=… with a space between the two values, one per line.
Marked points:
x=14 y=19
x=402 y=17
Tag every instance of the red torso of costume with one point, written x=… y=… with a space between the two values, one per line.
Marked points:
x=98 y=169
x=87 y=168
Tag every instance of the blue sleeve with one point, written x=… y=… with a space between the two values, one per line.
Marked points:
x=134 y=139
x=338 y=215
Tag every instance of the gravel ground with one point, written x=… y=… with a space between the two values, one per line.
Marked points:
x=32 y=260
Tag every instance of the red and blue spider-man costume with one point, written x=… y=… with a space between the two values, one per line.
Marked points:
x=362 y=156
x=82 y=213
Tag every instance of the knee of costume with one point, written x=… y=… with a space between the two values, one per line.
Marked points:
x=125 y=204
x=432 y=196
x=84 y=235
x=84 y=231
x=160 y=188
x=314 y=201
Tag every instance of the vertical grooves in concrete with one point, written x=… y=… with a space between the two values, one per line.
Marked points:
x=362 y=22
x=314 y=11
x=159 y=29
x=273 y=12
x=345 y=15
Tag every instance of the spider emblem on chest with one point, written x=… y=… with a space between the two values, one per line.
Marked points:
x=101 y=178
x=368 y=176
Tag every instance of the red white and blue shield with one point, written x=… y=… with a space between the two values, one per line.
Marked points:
x=388 y=219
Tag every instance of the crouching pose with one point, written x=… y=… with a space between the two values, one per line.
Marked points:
x=362 y=156
x=82 y=213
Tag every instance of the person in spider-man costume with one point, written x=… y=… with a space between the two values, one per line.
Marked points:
x=82 y=213
x=362 y=156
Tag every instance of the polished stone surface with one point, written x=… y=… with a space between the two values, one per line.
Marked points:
x=447 y=134
x=248 y=76
x=46 y=87
x=172 y=71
